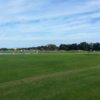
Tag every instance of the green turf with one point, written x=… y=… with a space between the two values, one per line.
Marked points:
x=60 y=76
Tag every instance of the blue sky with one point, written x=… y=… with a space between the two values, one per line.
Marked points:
x=27 y=23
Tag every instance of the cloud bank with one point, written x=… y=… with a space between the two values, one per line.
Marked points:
x=25 y=23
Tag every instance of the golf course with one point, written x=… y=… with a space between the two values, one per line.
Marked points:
x=52 y=76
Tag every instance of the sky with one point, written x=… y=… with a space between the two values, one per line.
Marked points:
x=28 y=23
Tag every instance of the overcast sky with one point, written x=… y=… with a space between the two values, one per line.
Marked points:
x=26 y=23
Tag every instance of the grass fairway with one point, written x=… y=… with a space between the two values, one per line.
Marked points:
x=66 y=76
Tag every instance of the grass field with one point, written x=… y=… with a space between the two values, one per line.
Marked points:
x=60 y=76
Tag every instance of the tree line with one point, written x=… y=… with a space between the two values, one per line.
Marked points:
x=67 y=47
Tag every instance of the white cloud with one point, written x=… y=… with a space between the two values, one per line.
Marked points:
x=49 y=20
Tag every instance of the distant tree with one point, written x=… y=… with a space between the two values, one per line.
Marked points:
x=52 y=47
x=96 y=46
x=4 y=49
x=91 y=46
x=63 y=47
x=74 y=46
x=84 y=46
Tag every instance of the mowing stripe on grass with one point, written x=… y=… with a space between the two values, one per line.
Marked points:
x=57 y=74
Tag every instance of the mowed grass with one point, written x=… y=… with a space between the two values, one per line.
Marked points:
x=60 y=76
